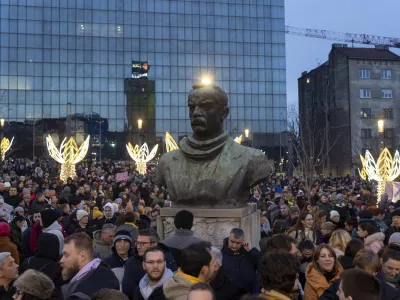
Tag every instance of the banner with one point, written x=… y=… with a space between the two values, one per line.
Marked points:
x=121 y=177
x=140 y=69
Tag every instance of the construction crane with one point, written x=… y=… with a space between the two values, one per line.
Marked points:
x=356 y=38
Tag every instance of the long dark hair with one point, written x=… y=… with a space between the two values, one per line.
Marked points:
x=300 y=227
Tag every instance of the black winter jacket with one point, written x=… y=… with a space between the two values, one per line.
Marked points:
x=157 y=294
x=241 y=268
x=224 y=288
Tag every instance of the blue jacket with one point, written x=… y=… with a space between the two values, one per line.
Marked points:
x=134 y=270
x=242 y=268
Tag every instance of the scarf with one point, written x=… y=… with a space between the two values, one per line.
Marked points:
x=132 y=224
x=191 y=279
x=94 y=264
x=195 y=149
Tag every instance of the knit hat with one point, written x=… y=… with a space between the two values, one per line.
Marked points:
x=35 y=283
x=334 y=213
x=122 y=235
x=293 y=209
x=19 y=208
x=366 y=214
x=395 y=238
x=118 y=200
x=49 y=216
x=183 y=220
x=396 y=212
x=4 y=229
x=96 y=213
x=80 y=214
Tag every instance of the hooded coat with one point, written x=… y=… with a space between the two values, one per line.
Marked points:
x=46 y=258
x=316 y=283
x=177 y=288
x=374 y=242
x=100 y=222
x=102 y=248
x=56 y=229
x=241 y=268
x=157 y=293
x=134 y=270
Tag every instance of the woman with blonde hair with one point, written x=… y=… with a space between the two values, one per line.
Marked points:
x=339 y=240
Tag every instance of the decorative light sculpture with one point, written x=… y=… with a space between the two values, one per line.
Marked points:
x=238 y=139
x=141 y=155
x=68 y=155
x=5 y=145
x=386 y=169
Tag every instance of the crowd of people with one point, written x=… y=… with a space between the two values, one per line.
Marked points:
x=94 y=236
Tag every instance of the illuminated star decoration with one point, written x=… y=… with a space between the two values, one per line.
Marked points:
x=386 y=169
x=68 y=155
x=5 y=145
x=141 y=156
x=171 y=145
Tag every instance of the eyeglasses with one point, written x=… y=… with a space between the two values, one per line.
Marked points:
x=141 y=244
x=153 y=263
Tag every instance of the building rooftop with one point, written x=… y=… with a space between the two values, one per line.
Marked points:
x=368 y=53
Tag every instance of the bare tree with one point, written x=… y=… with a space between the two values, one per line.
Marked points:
x=310 y=151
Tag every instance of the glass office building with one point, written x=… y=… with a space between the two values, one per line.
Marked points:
x=58 y=56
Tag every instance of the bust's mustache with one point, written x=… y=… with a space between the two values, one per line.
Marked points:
x=199 y=121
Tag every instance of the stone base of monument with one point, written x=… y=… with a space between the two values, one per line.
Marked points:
x=214 y=225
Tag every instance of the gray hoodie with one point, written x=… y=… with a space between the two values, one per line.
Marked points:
x=144 y=285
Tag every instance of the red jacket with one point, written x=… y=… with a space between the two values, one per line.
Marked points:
x=36 y=232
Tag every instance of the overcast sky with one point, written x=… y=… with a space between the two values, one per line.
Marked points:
x=376 y=17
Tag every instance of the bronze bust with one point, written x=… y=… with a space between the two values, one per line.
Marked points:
x=210 y=170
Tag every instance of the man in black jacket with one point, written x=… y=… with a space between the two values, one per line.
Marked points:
x=223 y=287
x=134 y=266
x=240 y=261
x=86 y=275
x=395 y=225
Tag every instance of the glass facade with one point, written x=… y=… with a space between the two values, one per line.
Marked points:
x=55 y=52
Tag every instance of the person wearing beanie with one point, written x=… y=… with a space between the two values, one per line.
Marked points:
x=294 y=213
x=395 y=225
x=334 y=217
x=183 y=235
x=32 y=285
x=5 y=243
x=82 y=217
x=97 y=221
x=46 y=257
x=122 y=250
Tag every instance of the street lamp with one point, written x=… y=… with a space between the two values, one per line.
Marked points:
x=206 y=80
x=381 y=126
x=246 y=133
x=140 y=125
x=2 y=136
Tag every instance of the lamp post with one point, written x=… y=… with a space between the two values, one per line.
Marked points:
x=381 y=130
x=247 y=134
x=140 y=125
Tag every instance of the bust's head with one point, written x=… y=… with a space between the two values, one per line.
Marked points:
x=208 y=107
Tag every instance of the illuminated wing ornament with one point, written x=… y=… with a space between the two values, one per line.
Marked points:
x=141 y=156
x=386 y=169
x=170 y=143
x=5 y=145
x=68 y=155
x=238 y=139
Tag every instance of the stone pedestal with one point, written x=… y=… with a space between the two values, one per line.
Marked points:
x=214 y=225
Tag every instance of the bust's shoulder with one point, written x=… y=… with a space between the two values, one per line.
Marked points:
x=169 y=156
x=237 y=149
